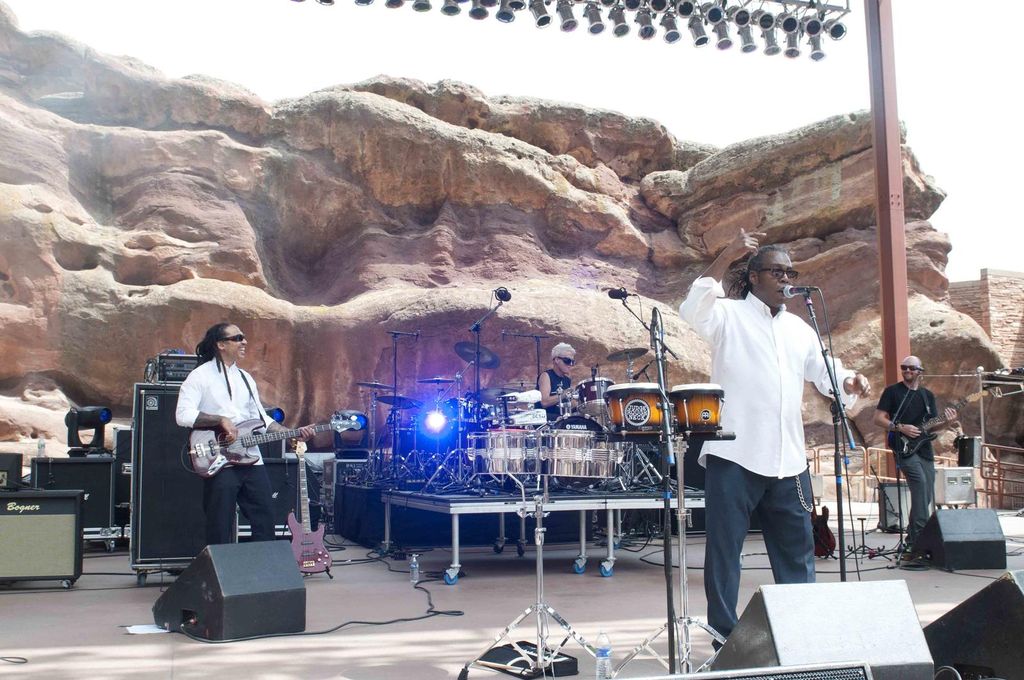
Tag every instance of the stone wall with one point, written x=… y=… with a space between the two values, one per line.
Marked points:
x=996 y=302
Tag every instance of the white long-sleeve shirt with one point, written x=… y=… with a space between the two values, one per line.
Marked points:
x=761 y=361
x=204 y=391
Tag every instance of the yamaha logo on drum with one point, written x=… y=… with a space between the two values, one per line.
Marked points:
x=637 y=412
x=576 y=426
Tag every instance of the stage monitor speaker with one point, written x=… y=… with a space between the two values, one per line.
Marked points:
x=830 y=671
x=807 y=623
x=237 y=590
x=982 y=636
x=966 y=538
x=968 y=451
x=168 y=524
x=889 y=507
x=40 y=535
x=94 y=476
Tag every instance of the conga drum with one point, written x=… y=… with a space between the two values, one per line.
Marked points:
x=697 y=407
x=634 y=408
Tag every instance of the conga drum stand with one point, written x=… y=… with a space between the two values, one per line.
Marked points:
x=533 y=658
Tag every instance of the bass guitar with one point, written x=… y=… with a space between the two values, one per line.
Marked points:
x=208 y=454
x=307 y=545
x=824 y=539
x=905 y=446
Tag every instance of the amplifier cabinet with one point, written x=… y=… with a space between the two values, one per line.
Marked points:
x=40 y=536
x=167 y=521
x=955 y=486
x=93 y=476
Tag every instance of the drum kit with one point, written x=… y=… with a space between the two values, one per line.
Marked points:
x=443 y=442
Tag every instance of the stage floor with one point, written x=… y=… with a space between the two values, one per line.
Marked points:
x=81 y=632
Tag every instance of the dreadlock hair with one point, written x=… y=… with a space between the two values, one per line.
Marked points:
x=206 y=350
x=739 y=277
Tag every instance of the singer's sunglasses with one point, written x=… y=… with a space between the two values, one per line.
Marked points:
x=567 y=361
x=779 y=272
x=911 y=368
x=233 y=338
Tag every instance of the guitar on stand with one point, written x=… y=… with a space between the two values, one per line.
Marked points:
x=307 y=545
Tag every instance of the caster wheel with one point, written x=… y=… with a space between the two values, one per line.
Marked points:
x=450 y=579
x=110 y=546
x=579 y=567
x=140 y=579
x=66 y=584
x=607 y=571
x=498 y=548
x=520 y=549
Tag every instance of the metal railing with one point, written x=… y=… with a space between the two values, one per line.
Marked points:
x=1002 y=479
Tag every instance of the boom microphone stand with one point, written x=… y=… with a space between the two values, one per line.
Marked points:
x=839 y=420
x=503 y=296
x=536 y=343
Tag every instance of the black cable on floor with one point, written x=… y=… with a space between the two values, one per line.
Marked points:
x=14 y=659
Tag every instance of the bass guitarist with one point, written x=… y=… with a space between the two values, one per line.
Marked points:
x=218 y=395
x=902 y=410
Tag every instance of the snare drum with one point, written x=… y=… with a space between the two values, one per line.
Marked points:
x=634 y=408
x=697 y=407
x=591 y=396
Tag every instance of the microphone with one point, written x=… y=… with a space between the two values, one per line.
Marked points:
x=502 y=294
x=793 y=291
x=503 y=334
x=618 y=293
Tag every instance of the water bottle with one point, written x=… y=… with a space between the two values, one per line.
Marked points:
x=604 y=657
x=414 y=569
x=41 y=447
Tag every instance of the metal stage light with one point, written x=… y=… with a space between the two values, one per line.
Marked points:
x=87 y=417
x=540 y=13
x=505 y=14
x=592 y=13
x=696 y=26
x=435 y=422
x=565 y=16
x=478 y=11
x=668 y=22
x=618 y=18
x=643 y=19
x=797 y=19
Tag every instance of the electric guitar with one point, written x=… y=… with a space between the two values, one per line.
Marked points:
x=307 y=545
x=208 y=454
x=824 y=539
x=905 y=446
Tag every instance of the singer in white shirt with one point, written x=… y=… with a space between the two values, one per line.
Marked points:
x=761 y=355
x=219 y=395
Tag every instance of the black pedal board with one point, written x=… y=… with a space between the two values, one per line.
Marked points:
x=508 y=660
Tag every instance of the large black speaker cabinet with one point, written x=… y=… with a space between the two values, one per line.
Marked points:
x=890 y=517
x=965 y=538
x=168 y=524
x=40 y=535
x=983 y=636
x=871 y=622
x=94 y=476
x=235 y=591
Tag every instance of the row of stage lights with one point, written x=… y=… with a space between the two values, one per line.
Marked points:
x=798 y=20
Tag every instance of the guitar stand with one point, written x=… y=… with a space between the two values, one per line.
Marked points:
x=533 y=659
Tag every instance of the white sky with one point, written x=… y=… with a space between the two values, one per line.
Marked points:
x=955 y=72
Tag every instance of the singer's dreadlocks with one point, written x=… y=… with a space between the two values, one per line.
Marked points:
x=739 y=277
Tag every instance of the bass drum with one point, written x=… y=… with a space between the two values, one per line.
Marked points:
x=578 y=423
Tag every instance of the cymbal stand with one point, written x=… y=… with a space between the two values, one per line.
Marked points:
x=536 y=344
x=542 y=657
x=393 y=416
x=475 y=329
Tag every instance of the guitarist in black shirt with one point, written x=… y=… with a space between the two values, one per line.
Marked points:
x=903 y=410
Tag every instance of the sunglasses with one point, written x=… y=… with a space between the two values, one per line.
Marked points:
x=911 y=368
x=567 y=361
x=233 y=338
x=779 y=272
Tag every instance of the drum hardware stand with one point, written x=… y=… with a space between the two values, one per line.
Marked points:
x=503 y=296
x=393 y=415
x=513 y=658
x=840 y=423
x=536 y=343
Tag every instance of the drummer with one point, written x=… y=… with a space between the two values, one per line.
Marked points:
x=557 y=380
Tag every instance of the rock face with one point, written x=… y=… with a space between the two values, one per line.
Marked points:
x=136 y=210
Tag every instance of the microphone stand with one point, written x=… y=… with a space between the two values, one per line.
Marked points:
x=644 y=324
x=839 y=420
x=475 y=329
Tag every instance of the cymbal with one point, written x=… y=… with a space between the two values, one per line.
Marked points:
x=520 y=385
x=628 y=354
x=375 y=385
x=491 y=395
x=398 y=401
x=437 y=381
x=467 y=352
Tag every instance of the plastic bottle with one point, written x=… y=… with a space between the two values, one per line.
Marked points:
x=41 y=447
x=414 y=569
x=604 y=657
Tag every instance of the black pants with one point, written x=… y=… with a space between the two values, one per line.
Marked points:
x=248 y=488
x=920 y=475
